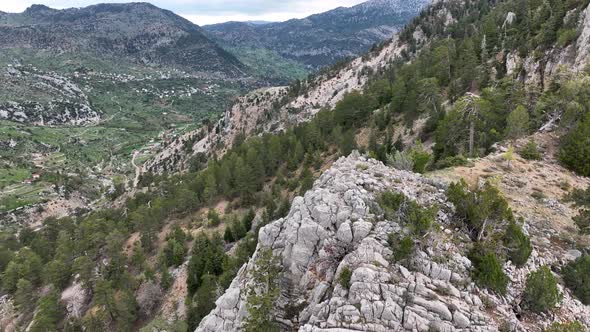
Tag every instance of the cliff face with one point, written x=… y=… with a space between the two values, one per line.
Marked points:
x=338 y=226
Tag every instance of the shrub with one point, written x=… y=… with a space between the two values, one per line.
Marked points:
x=401 y=161
x=487 y=270
x=391 y=202
x=402 y=248
x=566 y=36
x=574 y=326
x=530 y=151
x=420 y=158
x=454 y=161
x=576 y=275
x=419 y=218
x=581 y=199
x=574 y=150
x=479 y=209
x=344 y=277
x=541 y=293
x=214 y=219
x=517 y=244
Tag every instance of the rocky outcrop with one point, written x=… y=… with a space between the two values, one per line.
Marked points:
x=338 y=225
x=538 y=70
x=76 y=299
x=32 y=96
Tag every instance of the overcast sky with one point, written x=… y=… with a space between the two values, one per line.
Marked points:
x=209 y=11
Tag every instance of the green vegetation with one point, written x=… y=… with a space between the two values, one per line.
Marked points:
x=484 y=212
x=541 y=293
x=269 y=64
x=581 y=199
x=391 y=202
x=263 y=294
x=402 y=247
x=397 y=206
x=11 y=176
x=344 y=277
x=480 y=210
x=487 y=270
x=530 y=151
x=138 y=104
x=574 y=326
x=517 y=244
x=517 y=123
x=576 y=275
x=263 y=172
x=575 y=148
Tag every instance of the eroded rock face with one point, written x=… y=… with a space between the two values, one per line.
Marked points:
x=337 y=224
x=75 y=298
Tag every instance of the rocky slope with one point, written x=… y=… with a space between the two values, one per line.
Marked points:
x=40 y=98
x=338 y=225
x=273 y=109
x=322 y=39
x=137 y=31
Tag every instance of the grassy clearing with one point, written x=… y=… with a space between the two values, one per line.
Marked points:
x=13 y=175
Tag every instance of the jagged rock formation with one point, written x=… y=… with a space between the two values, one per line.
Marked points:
x=338 y=225
x=322 y=39
x=537 y=71
x=139 y=32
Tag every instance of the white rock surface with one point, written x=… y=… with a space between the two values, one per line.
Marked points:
x=336 y=225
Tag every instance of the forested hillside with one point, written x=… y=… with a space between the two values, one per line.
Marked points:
x=490 y=91
x=316 y=41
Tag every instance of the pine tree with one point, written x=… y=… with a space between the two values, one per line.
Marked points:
x=48 y=313
x=517 y=123
x=263 y=294
x=23 y=297
x=83 y=266
x=26 y=265
x=575 y=148
x=203 y=301
x=57 y=273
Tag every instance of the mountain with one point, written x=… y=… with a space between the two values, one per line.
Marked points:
x=140 y=32
x=322 y=39
x=438 y=182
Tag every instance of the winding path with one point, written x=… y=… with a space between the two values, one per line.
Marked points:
x=137 y=169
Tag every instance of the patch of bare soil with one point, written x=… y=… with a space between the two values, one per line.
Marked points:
x=534 y=189
x=173 y=305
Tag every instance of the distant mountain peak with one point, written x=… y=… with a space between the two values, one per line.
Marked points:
x=138 y=31
x=37 y=8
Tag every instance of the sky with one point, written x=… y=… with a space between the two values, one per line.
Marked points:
x=204 y=12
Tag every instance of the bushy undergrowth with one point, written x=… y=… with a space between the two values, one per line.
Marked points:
x=576 y=276
x=541 y=293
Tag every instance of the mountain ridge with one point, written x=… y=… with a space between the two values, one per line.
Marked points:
x=139 y=31
x=313 y=41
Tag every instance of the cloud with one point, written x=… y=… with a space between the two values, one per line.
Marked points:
x=210 y=11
